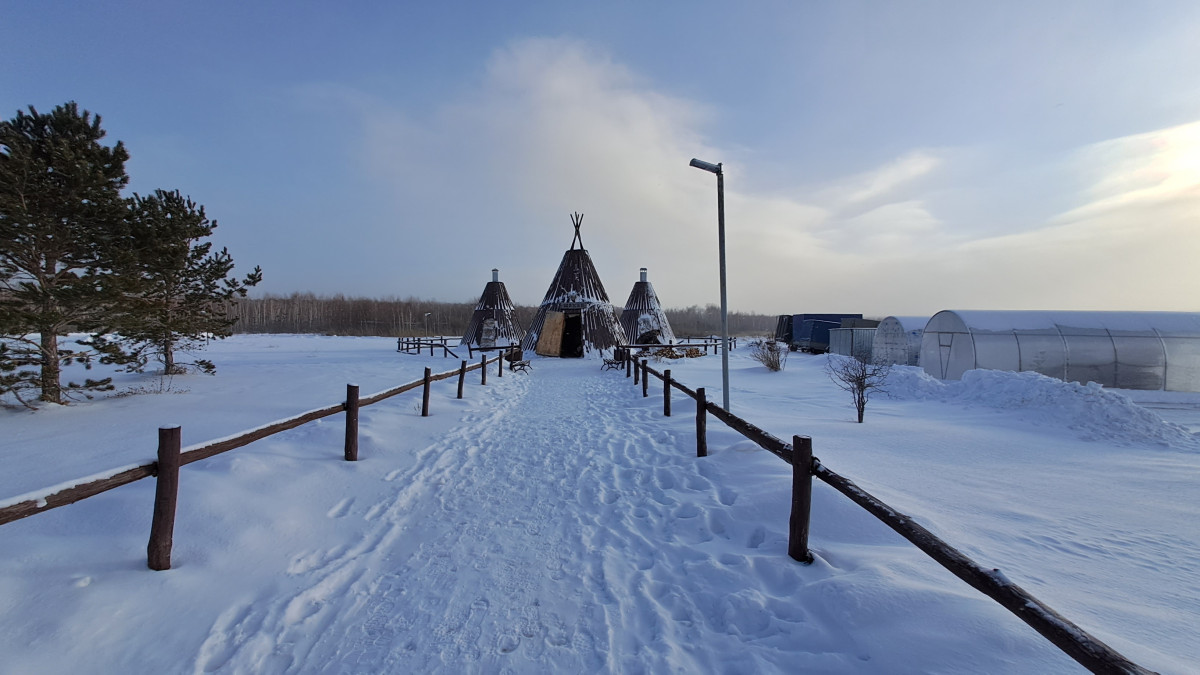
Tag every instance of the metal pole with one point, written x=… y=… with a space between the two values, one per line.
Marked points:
x=716 y=168
x=724 y=299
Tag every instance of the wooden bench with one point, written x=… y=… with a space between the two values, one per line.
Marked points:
x=520 y=366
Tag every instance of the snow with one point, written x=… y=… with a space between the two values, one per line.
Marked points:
x=555 y=521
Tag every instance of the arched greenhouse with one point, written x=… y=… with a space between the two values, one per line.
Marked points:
x=898 y=340
x=1126 y=350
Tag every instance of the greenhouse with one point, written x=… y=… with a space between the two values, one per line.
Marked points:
x=1126 y=350
x=898 y=340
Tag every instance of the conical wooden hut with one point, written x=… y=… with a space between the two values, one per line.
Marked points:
x=576 y=316
x=643 y=319
x=494 y=323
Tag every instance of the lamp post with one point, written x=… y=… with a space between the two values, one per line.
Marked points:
x=716 y=168
x=427 y=334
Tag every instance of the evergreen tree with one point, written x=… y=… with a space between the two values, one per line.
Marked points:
x=60 y=206
x=175 y=291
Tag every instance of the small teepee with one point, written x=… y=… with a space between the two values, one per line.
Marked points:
x=494 y=323
x=576 y=316
x=644 y=321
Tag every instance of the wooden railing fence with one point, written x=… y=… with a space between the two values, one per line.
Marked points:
x=415 y=345
x=1088 y=650
x=171 y=457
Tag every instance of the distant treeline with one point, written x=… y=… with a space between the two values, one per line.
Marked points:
x=394 y=317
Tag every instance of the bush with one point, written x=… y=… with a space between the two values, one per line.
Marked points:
x=858 y=376
x=770 y=353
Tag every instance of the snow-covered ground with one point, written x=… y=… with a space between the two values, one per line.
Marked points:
x=556 y=522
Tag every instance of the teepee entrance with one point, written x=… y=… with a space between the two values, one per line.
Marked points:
x=562 y=335
x=572 y=339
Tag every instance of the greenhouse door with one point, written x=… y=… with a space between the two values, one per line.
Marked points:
x=945 y=342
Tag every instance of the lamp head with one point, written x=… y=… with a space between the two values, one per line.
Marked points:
x=712 y=168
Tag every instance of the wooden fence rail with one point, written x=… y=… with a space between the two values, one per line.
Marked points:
x=1088 y=650
x=91 y=488
x=417 y=345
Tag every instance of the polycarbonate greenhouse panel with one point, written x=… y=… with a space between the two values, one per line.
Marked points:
x=1183 y=363
x=897 y=340
x=1127 y=350
x=1093 y=357
x=1041 y=350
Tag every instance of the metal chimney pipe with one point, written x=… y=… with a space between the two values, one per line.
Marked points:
x=495 y=274
x=643 y=274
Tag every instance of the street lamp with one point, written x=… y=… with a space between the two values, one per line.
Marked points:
x=427 y=334
x=716 y=168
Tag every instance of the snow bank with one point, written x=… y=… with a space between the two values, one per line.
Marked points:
x=1093 y=411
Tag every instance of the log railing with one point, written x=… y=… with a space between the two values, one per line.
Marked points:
x=28 y=505
x=415 y=345
x=1088 y=650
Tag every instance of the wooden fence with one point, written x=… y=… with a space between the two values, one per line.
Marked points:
x=171 y=457
x=1077 y=643
x=416 y=345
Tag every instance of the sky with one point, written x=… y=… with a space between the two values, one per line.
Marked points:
x=883 y=158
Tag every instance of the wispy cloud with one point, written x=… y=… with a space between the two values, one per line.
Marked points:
x=1144 y=170
x=553 y=126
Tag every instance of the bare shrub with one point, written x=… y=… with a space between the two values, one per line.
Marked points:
x=858 y=376
x=770 y=353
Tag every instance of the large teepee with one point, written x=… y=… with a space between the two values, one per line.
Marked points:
x=575 y=316
x=493 y=324
x=643 y=320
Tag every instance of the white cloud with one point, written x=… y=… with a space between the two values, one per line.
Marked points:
x=869 y=188
x=555 y=126
x=1142 y=170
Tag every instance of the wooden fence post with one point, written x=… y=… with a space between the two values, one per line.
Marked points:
x=425 y=393
x=628 y=362
x=801 y=499
x=500 y=363
x=667 y=392
x=701 y=423
x=166 y=492
x=483 y=368
x=352 y=423
x=645 y=379
x=462 y=375
x=637 y=372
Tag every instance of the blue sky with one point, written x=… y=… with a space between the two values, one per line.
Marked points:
x=888 y=158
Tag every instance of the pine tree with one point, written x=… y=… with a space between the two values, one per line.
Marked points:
x=60 y=204
x=175 y=291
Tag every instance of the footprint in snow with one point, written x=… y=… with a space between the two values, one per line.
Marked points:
x=341 y=508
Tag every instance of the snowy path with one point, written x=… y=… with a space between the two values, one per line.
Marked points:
x=530 y=537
